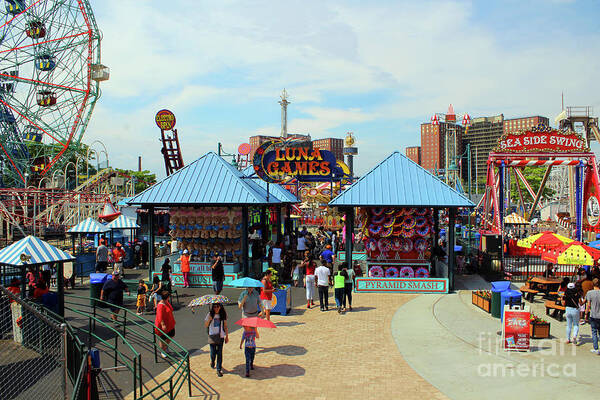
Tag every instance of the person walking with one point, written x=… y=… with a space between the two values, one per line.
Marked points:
x=250 y=304
x=249 y=336
x=185 y=267
x=218 y=333
x=323 y=275
x=348 y=286
x=309 y=267
x=266 y=294
x=571 y=302
x=145 y=251
x=101 y=257
x=165 y=321
x=593 y=311
x=339 y=284
x=118 y=256
x=218 y=274
x=112 y=293
x=166 y=270
x=328 y=257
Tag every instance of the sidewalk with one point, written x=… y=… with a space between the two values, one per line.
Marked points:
x=318 y=355
x=457 y=347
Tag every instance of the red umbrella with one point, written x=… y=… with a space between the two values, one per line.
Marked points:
x=256 y=322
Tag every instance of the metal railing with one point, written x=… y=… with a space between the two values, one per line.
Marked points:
x=35 y=351
x=136 y=333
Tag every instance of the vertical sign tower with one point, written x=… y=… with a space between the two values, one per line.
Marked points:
x=284 y=103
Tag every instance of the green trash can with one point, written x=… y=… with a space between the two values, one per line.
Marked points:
x=497 y=288
x=97 y=281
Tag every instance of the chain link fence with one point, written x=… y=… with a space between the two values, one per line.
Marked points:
x=33 y=362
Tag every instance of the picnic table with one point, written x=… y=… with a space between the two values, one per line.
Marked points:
x=545 y=285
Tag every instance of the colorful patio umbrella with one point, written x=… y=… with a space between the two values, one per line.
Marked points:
x=256 y=322
x=595 y=244
x=544 y=240
x=515 y=219
x=208 y=299
x=574 y=253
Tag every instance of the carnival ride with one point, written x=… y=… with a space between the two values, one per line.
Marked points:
x=451 y=171
x=541 y=146
x=50 y=70
x=47 y=210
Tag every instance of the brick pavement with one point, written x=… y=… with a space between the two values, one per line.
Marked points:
x=318 y=355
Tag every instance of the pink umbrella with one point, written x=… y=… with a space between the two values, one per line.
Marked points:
x=256 y=322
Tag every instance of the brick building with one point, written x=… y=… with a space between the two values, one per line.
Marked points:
x=433 y=144
x=517 y=124
x=414 y=153
x=334 y=145
x=482 y=135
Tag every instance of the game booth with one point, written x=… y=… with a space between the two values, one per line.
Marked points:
x=398 y=202
x=208 y=203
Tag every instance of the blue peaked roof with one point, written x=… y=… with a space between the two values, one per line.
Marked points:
x=274 y=189
x=398 y=181
x=89 y=225
x=39 y=252
x=210 y=180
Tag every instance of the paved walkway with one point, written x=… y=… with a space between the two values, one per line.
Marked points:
x=464 y=358
x=318 y=355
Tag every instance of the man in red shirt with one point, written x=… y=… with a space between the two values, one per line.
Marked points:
x=118 y=256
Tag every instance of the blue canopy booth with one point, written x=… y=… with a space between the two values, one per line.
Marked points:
x=208 y=202
x=397 y=185
x=86 y=260
x=33 y=252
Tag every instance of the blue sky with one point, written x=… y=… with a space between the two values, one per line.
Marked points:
x=377 y=68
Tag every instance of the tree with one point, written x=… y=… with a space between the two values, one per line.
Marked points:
x=534 y=176
x=143 y=179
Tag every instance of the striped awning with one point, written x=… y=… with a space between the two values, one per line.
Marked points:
x=88 y=225
x=122 y=222
x=515 y=219
x=36 y=252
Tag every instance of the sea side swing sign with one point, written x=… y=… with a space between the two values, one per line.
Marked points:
x=541 y=139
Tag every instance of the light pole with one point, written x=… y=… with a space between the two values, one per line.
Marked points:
x=66 y=170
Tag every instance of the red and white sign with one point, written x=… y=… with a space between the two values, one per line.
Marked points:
x=435 y=120
x=552 y=141
x=515 y=330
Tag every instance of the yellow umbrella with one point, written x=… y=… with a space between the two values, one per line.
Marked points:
x=546 y=239
x=574 y=253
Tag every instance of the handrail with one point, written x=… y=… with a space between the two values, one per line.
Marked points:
x=172 y=385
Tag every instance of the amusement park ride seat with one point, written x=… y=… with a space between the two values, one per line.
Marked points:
x=46 y=98
x=35 y=30
x=15 y=7
x=45 y=62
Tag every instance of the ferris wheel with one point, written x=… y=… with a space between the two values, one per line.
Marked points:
x=49 y=83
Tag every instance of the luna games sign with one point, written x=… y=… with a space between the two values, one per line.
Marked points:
x=274 y=161
x=541 y=139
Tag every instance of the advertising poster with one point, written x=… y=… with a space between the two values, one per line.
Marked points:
x=515 y=329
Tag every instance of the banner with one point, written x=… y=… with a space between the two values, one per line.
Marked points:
x=402 y=285
x=542 y=139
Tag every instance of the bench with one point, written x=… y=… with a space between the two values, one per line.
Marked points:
x=528 y=293
x=558 y=310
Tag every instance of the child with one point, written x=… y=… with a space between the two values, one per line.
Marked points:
x=250 y=335
x=141 y=297
x=296 y=275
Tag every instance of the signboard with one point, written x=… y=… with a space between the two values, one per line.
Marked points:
x=402 y=285
x=515 y=329
x=542 y=139
x=591 y=197
x=276 y=160
x=165 y=120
